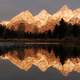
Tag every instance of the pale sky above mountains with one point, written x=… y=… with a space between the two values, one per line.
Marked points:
x=10 y=8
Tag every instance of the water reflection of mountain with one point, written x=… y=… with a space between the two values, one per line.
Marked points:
x=63 y=51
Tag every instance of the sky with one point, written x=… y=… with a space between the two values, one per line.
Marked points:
x=10 y=8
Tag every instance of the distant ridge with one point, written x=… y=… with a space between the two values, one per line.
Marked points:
x=43 y=20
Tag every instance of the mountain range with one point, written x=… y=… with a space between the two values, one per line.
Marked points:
x=43 y=21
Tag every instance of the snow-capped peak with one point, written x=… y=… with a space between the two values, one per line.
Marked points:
x=42 y=18
x=23 y=16
x=64 y=13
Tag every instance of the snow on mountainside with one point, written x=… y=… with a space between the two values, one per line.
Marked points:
x=42 y=18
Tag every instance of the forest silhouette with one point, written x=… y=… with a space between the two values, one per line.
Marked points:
x=62 y=31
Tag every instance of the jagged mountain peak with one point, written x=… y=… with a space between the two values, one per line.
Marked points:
x=42 y=18
x=65 y=7
x=27 y=12
x=43 y=12
x=23 y=16
x=64 y=12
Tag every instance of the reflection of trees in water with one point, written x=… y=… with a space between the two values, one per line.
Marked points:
x=64 y=52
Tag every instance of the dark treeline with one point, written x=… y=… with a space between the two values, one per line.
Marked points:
x=61 y=31
x=65 y=30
